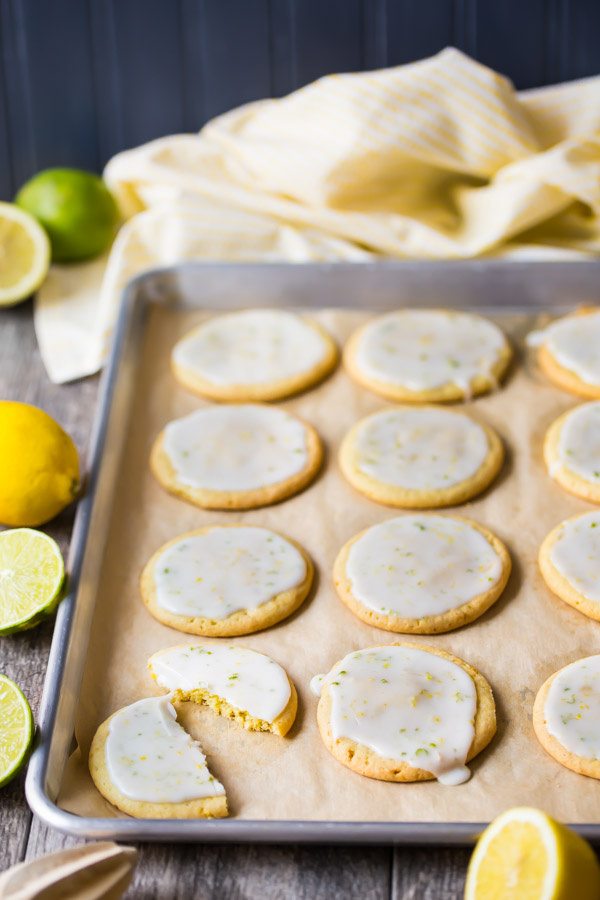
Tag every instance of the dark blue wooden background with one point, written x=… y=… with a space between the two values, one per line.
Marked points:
x=82 y=79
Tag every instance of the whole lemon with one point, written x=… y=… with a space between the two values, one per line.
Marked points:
x=76 y=209
x=39 y=466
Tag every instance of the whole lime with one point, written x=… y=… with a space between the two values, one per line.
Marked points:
x=76 y=209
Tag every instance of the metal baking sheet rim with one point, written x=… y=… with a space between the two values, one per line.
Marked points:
x=157 y=283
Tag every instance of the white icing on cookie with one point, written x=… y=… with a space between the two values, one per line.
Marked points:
x=316 y=683
x=247 y=680
x=424 y=349
x=420 y=448
x=579 y=443
x=572 y=707
x=240 y=447
x=251 y=347
x=421 y=565
x=574 y=342
x=576 y=554
x=151 y=758
x=407 y=705
x=218 y=573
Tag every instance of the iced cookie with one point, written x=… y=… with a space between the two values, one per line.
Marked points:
x=569 y=560
x=240 y=684
x=428 y=355
x=421 y=574
x=147 y=765
x=568 y=351
x=405 y=712
x=236 y=457
x=566 y=716
x=420 y=457
x=572 y=451
x=226 y=580
x=255 y=354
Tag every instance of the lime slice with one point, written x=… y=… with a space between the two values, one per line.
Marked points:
x=32 y=573
x=16 y=729
x=24 y=254
x=526 y=855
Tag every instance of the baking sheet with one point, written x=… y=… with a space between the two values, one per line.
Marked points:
x=522 y=639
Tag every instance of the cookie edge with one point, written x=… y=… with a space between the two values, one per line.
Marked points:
x=558 y=374
x=214 y=807
x=164 y=472
x=278 y=608
x=280 y=725
x=580 y=764
x=563 y=476
x=269 y=391
x=446 y=393
x=560 y=586
x=441 y=623
x=366 y=762
x=407 y=498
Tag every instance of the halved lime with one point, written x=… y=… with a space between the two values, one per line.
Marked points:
x=16 y=729
x=24 y=254
x=32 y=573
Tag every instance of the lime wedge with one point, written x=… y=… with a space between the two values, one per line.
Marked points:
x=16 y=729
x=32 y=573
x=24 y=254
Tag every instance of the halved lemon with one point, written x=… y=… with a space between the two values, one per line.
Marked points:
x=24 y=254
x=32 y=573
x=16 y=729
x=526 y=855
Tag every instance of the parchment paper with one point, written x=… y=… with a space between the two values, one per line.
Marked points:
x=526 y=635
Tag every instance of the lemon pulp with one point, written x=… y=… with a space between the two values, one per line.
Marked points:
x=525 y=855
x=24 y=254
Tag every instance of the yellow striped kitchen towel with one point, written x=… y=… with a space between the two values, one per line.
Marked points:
x=439 y=159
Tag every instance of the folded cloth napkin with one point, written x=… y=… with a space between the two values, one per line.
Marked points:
x=439 y=159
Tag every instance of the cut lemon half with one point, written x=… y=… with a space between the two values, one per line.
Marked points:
x=32 y=573
x=16 y=729
x=526 y=855
x=24 y=254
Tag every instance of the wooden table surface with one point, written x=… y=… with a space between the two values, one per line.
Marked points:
x=166 y=871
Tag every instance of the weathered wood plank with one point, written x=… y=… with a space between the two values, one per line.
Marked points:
x=261 y=872
x=429 y=873
x=42 y=840
x=235 y=871
x=14 y=820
